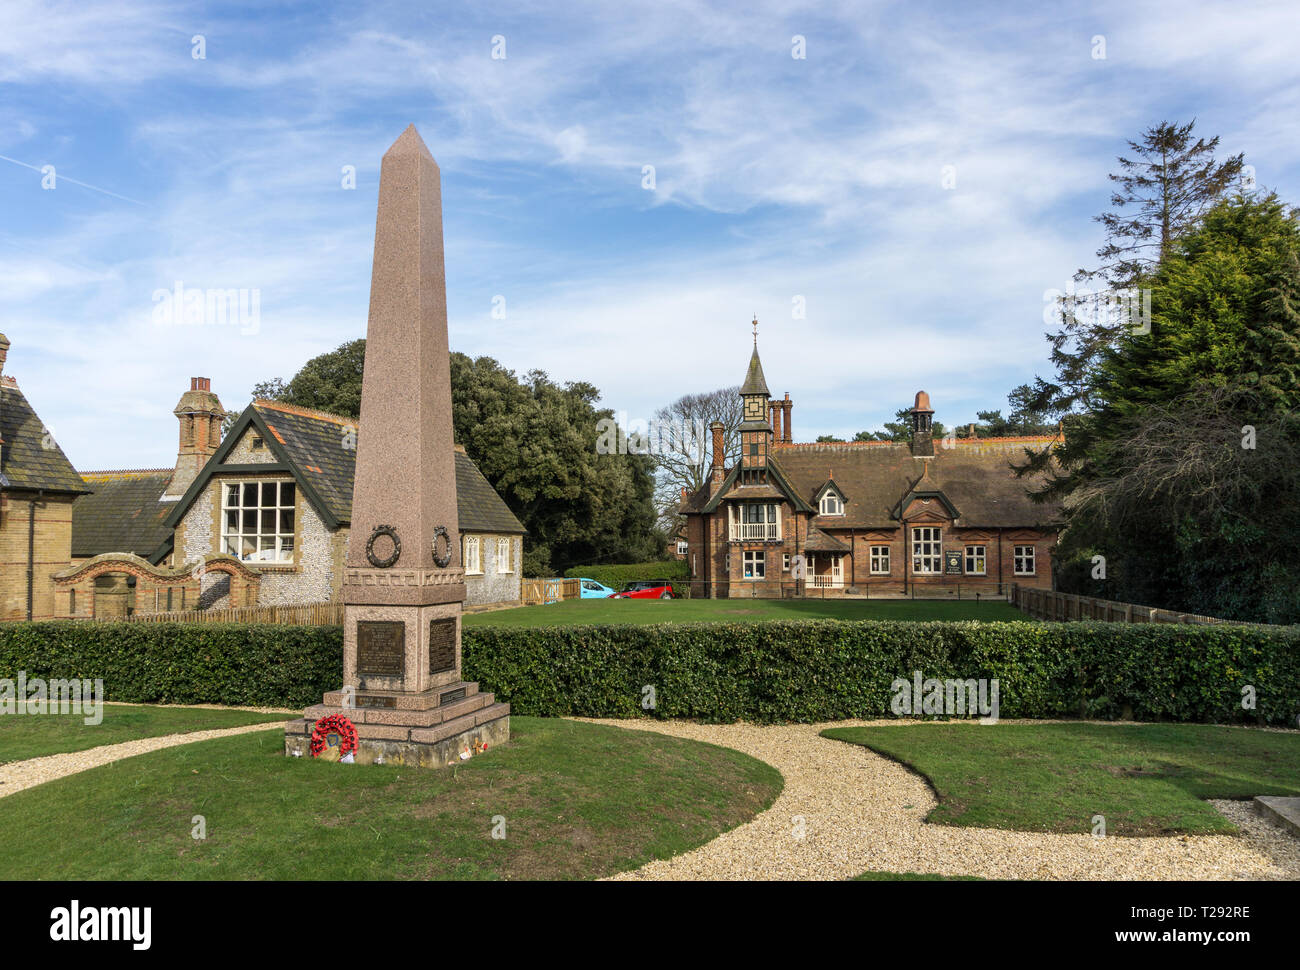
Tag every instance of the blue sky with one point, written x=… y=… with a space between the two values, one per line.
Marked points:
x=776 y=178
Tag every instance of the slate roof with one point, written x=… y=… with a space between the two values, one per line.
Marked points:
x=122 y=514
x=974 y=475
x=313 y=441
x=25 y=461
x=755 y=382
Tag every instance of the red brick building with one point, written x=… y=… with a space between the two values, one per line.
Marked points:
x=870 y=518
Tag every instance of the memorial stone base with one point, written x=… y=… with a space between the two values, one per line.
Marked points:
x=431 y=729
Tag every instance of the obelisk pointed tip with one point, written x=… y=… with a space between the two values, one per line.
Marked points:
x=409 y=142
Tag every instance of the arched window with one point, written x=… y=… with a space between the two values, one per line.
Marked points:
x=831 y=503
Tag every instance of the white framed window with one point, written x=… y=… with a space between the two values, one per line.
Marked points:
x=927 y=550
x=755 y=564
x=785 y=562
x=472 y=555
x=504 y=559
x=880 y=560
x=682 y=547
x=257 y=520
x=831 y=503
x=975 y=561
x=1024 y=560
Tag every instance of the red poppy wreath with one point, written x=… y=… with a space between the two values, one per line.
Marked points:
x=334 y=724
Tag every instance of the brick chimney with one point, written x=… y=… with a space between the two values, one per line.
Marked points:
x=719 y=471
x=200 y=415
x=922 y=445
x=785 y=406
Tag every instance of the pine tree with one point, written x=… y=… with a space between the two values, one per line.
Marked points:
x=1163 y=192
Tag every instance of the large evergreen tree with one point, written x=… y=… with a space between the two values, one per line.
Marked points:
x=1185 y=472
x=1162 y=193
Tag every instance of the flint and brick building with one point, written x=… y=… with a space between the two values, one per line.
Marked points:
x=870 y=518
x=259 y=517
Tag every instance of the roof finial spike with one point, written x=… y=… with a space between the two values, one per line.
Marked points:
x=755 y=329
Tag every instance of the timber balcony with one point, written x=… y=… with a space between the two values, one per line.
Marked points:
x=826 y=582
x=741 y=531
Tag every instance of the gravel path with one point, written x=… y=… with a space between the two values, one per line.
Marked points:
x=858 y=811
x=17 y=775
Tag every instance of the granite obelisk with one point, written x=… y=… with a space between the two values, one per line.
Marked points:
x=403 y=583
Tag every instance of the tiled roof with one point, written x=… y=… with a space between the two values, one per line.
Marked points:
x=974 y=474
x=315 y=442
x=122 y=514
x=755 y=382
x=30 y=457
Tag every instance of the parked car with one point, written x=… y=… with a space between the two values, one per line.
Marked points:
x=593 y=590
x=646 y=589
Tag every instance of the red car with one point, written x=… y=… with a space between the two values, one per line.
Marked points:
x=645 y=589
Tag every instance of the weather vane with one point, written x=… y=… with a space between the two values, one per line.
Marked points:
x=755 y=329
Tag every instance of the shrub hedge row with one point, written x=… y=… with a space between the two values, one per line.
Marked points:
x=174 y=663
x=677 y=571
x=802 y=671
x=817 y=670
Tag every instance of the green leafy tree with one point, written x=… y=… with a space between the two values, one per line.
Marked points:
x=900 y=429
x=1162 y=193
x=534 y=441
x=1183 y=470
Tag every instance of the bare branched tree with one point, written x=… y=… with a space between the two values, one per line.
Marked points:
x=1204 y=456
x=686 y=451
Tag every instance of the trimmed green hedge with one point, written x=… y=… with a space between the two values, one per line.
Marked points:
x=805 y=671
x=802 y=671
x=182 y=663
x=677 y=571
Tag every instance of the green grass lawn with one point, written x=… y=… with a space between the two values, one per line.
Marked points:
x=1145 y=779
x=578 y=801
x=25 y=736
x=578 y=612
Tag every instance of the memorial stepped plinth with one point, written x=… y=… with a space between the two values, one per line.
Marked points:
x=429 y=728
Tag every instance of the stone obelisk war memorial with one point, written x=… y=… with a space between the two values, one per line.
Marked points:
x=404 y=583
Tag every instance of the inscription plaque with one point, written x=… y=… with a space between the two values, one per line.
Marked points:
x=364 y=701
x=452 y=695
x=442 y=645
x=381 y=648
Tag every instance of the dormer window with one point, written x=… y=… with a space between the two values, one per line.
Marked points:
x=831 y=503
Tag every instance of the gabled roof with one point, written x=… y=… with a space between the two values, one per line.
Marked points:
x=30 y=458
x=828 y=486
x=972 y=479
x=780 y=487
x=319 y=450
x=122 y=514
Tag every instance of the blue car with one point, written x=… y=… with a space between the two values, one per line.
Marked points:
x=592 y=590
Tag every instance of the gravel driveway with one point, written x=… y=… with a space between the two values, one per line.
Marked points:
x=17 y=775
x=858 y=811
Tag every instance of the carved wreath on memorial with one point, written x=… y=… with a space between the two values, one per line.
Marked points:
x=443 y=561
x=333 y=724
x=384 y=530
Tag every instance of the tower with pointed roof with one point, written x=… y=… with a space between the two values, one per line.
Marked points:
x=756 y=428
x=899 y=517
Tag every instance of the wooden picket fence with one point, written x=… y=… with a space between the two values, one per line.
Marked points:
x=1046 y=604
x=310 y=614
x=538 y=592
